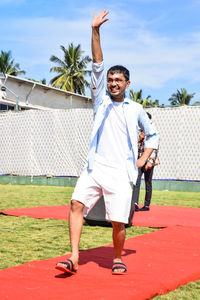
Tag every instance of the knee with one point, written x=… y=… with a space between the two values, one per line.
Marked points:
x=76 y=206
x=117 y=226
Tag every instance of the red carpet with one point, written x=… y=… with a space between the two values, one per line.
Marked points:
x=42 y=212
x=164 y=216
x=157 y=263
x=158 y=216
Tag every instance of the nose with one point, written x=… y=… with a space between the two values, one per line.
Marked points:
x=113 y=83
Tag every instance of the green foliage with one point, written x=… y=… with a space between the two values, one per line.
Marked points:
x=42 y=81
x=8 y=66
x=181 y=98
x=146 y=102
x=71 y=70
x=197 y=103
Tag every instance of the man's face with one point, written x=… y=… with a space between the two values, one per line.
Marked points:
x=116 y=85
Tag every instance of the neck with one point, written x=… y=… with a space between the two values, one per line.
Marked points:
x=118 y=99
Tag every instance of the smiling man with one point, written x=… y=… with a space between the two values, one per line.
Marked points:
x=112 y=158
x=117 y=82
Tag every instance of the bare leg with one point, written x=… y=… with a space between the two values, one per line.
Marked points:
x=119 y=234
x=75 y=228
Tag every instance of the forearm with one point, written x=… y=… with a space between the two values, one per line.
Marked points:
x=153 y=156
x=142 y=160
x=97 y=54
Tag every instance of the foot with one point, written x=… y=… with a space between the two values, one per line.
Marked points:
x=67 y=266
x=118 y=268
x=136 y=207
x=144 y=208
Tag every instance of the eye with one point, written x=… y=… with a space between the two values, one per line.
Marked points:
x=117 y=80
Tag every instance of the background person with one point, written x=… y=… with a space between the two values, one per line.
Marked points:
x=147 y=170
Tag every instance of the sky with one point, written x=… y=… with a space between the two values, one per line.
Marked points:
x=157 y=40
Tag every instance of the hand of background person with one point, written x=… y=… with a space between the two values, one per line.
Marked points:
x=148 y=166
x=141 y=136
x=99 y=19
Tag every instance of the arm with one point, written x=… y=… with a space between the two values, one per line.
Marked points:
x=142 y=160
x=152 y=160
x=151 y=141
x=141 y=136
x=98 y=20
x=97 y=76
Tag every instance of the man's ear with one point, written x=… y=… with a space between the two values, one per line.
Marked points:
x=128 y=84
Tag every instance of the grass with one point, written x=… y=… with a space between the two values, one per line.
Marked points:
x=21 y=196
x=174 y=198
x=48 y=238
x=191 y=291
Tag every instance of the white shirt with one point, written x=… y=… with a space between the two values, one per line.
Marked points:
x=135 y=118
x=113 y=144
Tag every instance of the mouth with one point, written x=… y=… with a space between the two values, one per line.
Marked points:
x=114 y=90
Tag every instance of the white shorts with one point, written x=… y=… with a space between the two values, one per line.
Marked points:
x=110 y=182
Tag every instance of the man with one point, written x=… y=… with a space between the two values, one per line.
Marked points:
x=112 y=157
x=147 y=170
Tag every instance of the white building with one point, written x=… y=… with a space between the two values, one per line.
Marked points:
x=22 y=94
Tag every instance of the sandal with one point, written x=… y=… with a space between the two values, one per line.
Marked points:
x=66 y=266
x=117 y=266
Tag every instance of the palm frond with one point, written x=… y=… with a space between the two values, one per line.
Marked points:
x=72 y=69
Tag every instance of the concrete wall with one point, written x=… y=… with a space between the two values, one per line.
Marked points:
x=32 y=94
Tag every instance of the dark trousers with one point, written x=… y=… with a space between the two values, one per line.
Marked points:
x=148 y=186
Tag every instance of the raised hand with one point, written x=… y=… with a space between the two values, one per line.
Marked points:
x=99 y=19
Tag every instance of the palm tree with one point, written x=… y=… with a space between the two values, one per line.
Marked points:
x=7 y=65
x=43 y=81
x=71 y=70
x=147 y=102
x=136 y=96
x=181 y=98
x=197 y=103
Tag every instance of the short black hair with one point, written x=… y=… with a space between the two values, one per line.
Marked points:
x=119 y=69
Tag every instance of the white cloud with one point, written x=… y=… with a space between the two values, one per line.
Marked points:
x=154 y=59
x=37 y=39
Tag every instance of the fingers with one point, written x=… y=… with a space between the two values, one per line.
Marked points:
x=100 y=18
x=104 y=20
x=103 y=13
x=148 y=166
